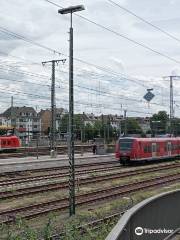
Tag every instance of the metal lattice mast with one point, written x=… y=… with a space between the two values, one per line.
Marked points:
x=125 y=123
x=171 y=103
x=171 y=115
x=53 y=103
x=71 y=127
x=53 y=108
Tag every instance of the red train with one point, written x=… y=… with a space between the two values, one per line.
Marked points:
x=129 y=150
x=9 y=143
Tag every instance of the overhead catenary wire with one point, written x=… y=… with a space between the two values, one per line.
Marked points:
x=103 y=93
x=90 y=90
x=120 y=35
x=46 y=77
x=86 y=88
x=145 y=21
x=80 y=60
x=95 y=105
x=103 y=68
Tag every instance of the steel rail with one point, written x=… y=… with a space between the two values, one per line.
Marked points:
x=34 y=210
x=20 y=192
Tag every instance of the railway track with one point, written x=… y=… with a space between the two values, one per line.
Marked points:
x=51 y=169
x=58 y=175
x=41 y=151
x=34 y=210
x=25 y=191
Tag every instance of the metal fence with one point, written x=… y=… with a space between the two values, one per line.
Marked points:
x=154 y=218
x=174 y=235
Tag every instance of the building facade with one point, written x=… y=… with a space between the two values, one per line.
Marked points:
x=25 y=120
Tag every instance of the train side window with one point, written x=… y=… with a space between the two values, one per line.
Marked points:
x=169 y=146
x=145 y=149
x=175 y=146
x=154 y=147
x=3 y=142
x=9 y=142
x=150 y=148
x=165 y=147
x=172 y=146
x=158 y=147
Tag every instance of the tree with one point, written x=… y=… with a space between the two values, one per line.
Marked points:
x=132 y=126
x=88 y=132
x=176 y=126
x=158 y=122
x=64 y=123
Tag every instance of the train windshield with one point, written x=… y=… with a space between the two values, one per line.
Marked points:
x=125 y=144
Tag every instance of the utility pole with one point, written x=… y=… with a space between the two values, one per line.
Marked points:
x=12 y=111
x=108 y=125
x=125 y=123
x=171 y=116
x=120 y=128
x=53 y=103
x=103 y=128
x=171 y=105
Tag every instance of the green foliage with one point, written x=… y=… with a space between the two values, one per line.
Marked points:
x=71 y=231
x=48 y=230
x=3 y=132
x=176 y=126
x=158 y=122
x=133 y=126
x=99 y=128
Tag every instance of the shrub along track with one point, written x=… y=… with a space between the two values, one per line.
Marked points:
x=34 y=210
x=25 y=191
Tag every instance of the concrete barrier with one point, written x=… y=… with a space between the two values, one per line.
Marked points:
x=154 y=218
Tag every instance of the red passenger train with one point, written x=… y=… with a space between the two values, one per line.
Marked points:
x=129 y=150
x=8 y=141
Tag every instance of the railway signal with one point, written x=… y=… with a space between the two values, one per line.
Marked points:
x=149 y=95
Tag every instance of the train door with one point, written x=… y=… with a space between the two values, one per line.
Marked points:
x=169 y=148
x=153 y=149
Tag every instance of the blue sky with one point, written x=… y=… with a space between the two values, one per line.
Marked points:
x=97 y=91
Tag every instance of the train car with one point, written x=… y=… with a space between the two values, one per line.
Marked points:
x=129 y=150
x=9 y=143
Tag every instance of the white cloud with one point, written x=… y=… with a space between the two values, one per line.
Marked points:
x=40 y=21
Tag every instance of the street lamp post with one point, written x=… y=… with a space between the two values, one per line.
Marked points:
x=71 y=10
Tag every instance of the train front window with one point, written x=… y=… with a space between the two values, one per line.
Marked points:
x=125 y=144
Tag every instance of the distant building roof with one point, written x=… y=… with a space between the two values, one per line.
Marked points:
x=19 y=111
x=58 y=111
